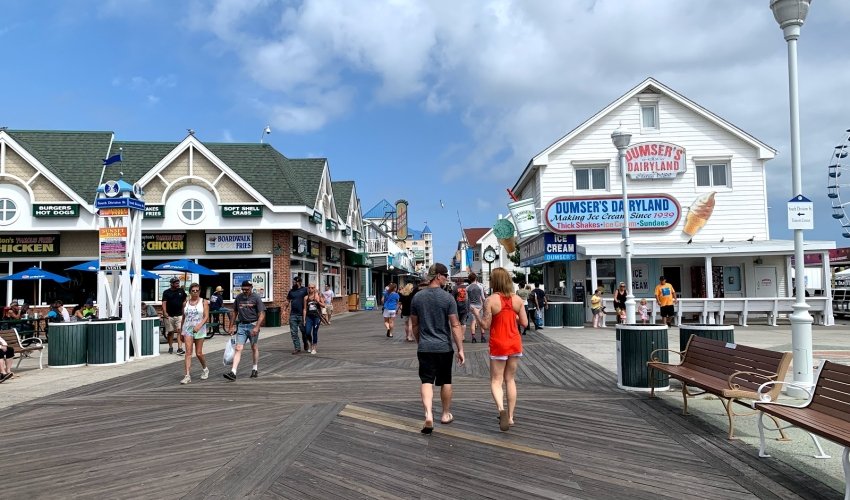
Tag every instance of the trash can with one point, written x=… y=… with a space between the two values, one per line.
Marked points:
x=150 y=337
x=68 y=347
x=634 y=345
x=554 y=315
x=272 y=316
x=105 y=342
x=574 y=315
x=726 y=333
x=353 y=301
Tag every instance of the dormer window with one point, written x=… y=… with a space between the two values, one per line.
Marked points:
x=649 y=112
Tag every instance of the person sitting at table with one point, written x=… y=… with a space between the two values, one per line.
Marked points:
x=77 y=313
x=7 y=352
x=63 y=311
x=13 y=311
x=55 y=314
x=89 y=310
x=148 y=311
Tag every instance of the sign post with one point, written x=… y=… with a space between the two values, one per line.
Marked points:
x=801 y=213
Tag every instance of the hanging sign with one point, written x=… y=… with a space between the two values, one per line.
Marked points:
x=401 y=219
x=525 y=217
x=572 y=214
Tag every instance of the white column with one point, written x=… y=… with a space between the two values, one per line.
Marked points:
x=709 y=286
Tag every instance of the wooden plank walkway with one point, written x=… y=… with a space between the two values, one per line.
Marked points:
x=345 y=424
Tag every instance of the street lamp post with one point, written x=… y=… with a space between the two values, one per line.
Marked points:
x=790 y=14
x=621 y=140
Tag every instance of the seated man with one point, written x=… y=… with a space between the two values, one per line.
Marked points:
x=7 y=352
x=13 y=311
x=148 y=311
x=89 y=310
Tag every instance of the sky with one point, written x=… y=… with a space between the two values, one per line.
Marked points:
x=430 y=100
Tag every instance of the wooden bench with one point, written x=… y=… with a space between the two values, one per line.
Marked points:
x=24 y=348
x=826 y=413
x=732 y=372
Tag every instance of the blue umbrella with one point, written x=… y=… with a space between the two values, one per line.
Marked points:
x=93 y=266
x=35 y=273
x=185 y=266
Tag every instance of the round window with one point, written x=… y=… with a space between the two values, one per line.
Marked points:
x=8 y=211
x=192 y=211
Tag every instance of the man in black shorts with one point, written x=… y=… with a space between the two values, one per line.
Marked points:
x=435 y=326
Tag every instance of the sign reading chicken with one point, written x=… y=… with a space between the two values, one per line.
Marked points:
x=655 y=160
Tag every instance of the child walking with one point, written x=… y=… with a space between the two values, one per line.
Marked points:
x=643 y=310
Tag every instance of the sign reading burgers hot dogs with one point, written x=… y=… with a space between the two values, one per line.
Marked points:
x=655 y=160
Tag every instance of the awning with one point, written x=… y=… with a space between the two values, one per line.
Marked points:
x=357 y=259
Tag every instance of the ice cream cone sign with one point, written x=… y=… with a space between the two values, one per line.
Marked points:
x=699 y=213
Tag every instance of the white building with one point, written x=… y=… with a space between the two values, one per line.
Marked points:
x=682 y=160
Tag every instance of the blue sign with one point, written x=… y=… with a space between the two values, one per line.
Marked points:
x=119 y=203
x=573 y=214
x=548 y=247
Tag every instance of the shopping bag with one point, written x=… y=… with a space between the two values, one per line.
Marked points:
x=229 y=351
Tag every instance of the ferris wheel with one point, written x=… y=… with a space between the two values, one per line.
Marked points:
x=839 y=165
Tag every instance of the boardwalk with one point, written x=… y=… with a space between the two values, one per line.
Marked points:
x=345 y=424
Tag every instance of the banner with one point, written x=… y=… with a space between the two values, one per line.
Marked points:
x=401 y=219
x=113 y=248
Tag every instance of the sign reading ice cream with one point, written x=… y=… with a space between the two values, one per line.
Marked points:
x=655 y=160
x=605 y=213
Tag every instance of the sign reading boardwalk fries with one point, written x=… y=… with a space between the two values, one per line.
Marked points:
x=113 y=248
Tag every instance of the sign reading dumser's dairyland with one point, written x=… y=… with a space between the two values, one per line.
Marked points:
x=574 y=214
x=655 y=160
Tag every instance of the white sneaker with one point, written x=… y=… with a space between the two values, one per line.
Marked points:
x=186 y=379
x=312 y=351
x=206 y=374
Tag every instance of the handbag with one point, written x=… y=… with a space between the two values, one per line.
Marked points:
x=229 y=351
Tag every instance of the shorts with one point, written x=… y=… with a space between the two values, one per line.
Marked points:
x=172 y=323
x=243 y=334
x=505 y=358
x=596 y=310
x=389 y=313
x=463 y=317
x=328 y=309
x=435 y=367
x=668 y=311
x=195 y=335
x=7 y=352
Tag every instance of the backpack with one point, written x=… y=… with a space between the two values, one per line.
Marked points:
x=461 y=295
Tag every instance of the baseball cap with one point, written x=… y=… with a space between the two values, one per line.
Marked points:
x=89 y=302
x=174 y=280
x=297 y=278
x=247 y=283
x=219 y=289
x=436 y=269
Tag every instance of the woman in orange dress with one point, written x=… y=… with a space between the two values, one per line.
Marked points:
x=500 y=313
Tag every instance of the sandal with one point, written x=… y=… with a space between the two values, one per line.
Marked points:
x=450 y=420
x=504 y=425
x=428 y=428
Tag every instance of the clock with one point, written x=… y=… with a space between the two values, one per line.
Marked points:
x=489 y=255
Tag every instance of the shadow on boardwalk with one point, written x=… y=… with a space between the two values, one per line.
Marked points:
x=345 y=424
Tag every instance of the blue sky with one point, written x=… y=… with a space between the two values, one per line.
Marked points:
x=421 y=100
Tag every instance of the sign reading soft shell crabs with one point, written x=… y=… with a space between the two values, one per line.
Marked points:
x=573 y=214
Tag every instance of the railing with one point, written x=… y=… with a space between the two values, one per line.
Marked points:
x=715 y=310
x=377 y=246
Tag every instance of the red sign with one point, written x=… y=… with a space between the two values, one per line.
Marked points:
x=655 y=160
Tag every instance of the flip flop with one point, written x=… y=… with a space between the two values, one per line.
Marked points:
x=504 y=425
x=428 y=428
x=450 y=420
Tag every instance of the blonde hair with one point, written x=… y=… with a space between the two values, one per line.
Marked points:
x=501 y=282
x=407 y=290
x=643 y=301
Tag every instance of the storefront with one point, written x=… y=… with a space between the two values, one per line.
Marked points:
x=242 y=210
x=698 y=211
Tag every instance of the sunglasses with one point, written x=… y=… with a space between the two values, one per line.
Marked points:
x=195 y=291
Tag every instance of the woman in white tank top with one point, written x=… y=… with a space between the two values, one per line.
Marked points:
x=196 y=312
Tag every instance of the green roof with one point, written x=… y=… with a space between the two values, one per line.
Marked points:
x=342 y=196
x=76 y=159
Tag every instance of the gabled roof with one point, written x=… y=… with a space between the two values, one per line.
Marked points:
x=74 y=157
x=473 y=234
x=380 y=210
x=649 y=85
x=414 y=234
x=342 y=196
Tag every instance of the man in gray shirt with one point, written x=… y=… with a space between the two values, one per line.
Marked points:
x=248 y=313
x=435 y=326
x=475 y=294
